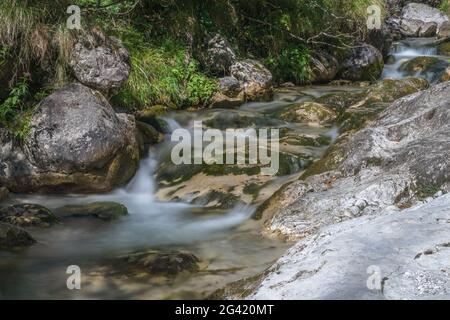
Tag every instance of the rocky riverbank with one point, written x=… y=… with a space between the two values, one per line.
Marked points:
x=361 y=188
x=370 y=217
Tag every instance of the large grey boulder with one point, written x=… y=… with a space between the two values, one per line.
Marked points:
x=255 y=77
x=398 y=255
x=76 y=143
x=101 y=65
x=403 y=157
x=219 y=55
x=424 y=13
x=422 y=20
x=364 y=63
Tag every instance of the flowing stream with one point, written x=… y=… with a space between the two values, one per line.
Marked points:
x=228 y=242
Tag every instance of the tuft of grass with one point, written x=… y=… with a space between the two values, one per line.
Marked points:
x=163 y=75
x=292 y=64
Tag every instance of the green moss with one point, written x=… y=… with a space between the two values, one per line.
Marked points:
x=161 y=76
x=253 y=189
x=330 y=161
x=420 y=64
x=100 y=210
x=444 y=49
x=224 y=200
x=427 y=191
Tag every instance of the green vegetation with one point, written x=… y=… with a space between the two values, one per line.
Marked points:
x=161 y=75
x=166 y=40
x=445 y=6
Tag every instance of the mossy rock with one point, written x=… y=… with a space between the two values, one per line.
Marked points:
x=236 y=119
x=169 y=174
x=220 y=200
x=147 y=136
x=152 y=116
x=27 y=215
x=295 y=139
x=334 y=156
x=309 y=112
x=12 y=237
x=151 y=112
x=419 y=64
x=340 y=101
x=100 y=210
x=430 y=68
x=155 y=263
x=390 y=90
x=444 y=49
x=4 y=194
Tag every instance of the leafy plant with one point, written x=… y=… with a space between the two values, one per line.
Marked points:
x=291 y=65
x=13 y=112
x=15 y=100
x=164 y=74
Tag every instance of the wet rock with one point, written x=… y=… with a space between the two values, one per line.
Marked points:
x=103 y=65
x=446 y=75
x=156 y=263
x=385 y=91
x=336 y=263
x=444 y=49
x=364 y=63
x=430 y=68
x=410 y=27
x=424 y=13
x=419 y=64
x=220 y=55
x=153 y=116
x=100 y=210
x=428 y=30
x=256 y=79
x=230 y=86
x=444 y=30
x=77 y=143
x=381 y=39
x=221 y=101
x=324 y=67
x=397 y=160
x=4 y=194
x=149 y=135
x=27 y=215
x=309 y=112
x=14 y=237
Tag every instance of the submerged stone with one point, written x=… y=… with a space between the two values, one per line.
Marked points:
x=12 y=237
x=27 y=215
x=99 y=210
x=309 y=112
x=156 y=263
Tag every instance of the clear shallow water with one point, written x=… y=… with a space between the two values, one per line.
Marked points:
x=229 y=242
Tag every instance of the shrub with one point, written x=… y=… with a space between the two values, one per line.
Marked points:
x=164 y=74
x=291 y=65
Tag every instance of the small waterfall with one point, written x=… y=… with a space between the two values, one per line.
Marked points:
x=408 y=49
